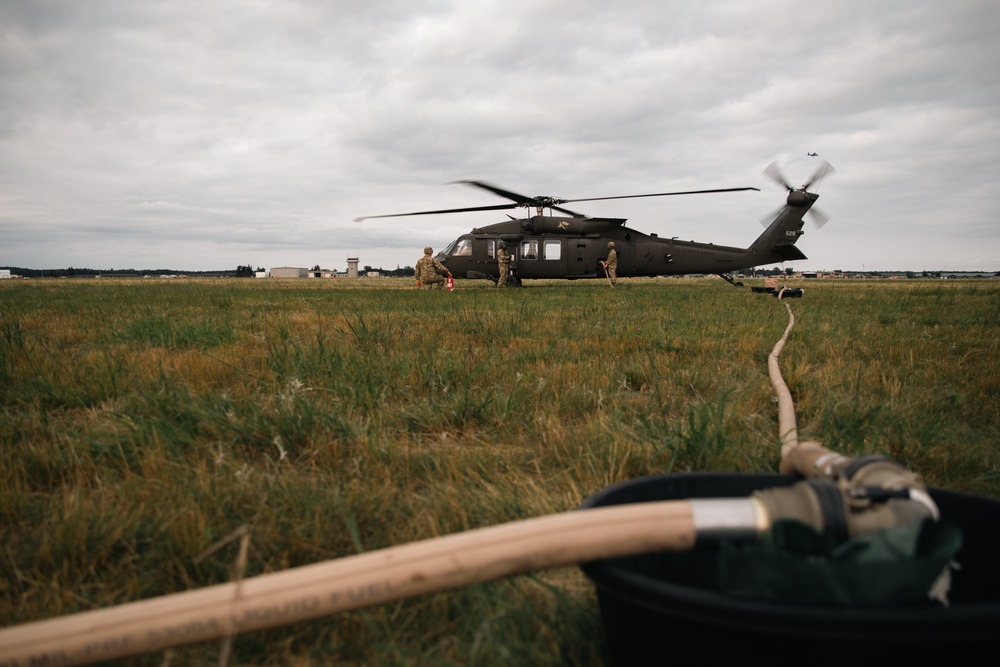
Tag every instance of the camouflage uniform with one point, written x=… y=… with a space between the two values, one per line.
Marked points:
x=430 y=273
x=611 y=264
x=503 y=261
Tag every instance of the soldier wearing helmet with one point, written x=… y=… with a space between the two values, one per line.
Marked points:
x=503 y=263
x=430 y=272
x=611 y=264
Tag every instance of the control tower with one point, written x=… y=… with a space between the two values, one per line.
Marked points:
x=352 y=267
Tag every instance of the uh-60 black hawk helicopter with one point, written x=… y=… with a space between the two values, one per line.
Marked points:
x=574 y=246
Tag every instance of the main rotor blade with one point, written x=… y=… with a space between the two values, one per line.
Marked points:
x=513 y=196
x=541 y=202
x=522 y=200
x=498 y=207
x=573 y=214
x=774 y=172
x=658 y=194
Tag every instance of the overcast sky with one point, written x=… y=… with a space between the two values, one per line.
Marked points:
x=209 y=134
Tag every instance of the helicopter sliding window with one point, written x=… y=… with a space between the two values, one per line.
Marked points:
x=464 y=248
x=529 y=249
x=553 y=249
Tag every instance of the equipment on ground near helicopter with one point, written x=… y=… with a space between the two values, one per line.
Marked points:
x=573 y=246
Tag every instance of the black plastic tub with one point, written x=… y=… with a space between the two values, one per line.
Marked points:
x=657 y=608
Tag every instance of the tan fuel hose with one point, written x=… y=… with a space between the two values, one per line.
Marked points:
x=787 y=429
x=808 y=459
x=811 y=460
x=348 y=583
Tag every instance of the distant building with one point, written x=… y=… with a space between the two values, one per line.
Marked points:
x=317 y=272
x=288 y=272
x=4 y=274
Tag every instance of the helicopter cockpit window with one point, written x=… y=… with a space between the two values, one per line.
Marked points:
x=553 y=249
x=491 y=249
x=463 y=249
x=529 y=249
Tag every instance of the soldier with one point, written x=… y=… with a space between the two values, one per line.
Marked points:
x=503 y=261
x=611 y=264
x=430 y=273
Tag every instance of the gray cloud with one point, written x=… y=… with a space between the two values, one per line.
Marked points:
x=194 y=135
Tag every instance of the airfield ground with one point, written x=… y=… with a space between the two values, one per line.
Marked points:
x=144 y=420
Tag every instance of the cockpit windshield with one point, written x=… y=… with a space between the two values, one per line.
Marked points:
x=463 y=248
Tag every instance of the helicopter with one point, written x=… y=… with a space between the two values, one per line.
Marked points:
x=573 y=246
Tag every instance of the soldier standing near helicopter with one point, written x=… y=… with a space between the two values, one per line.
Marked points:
x=430 y=272
x=611 y=264
x=503 y=261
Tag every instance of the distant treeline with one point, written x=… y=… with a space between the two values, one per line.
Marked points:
x=73 y=272
x=875 y=274
x=407 y=271
x=239 y=272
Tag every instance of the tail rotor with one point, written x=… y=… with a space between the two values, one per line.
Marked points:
x=800 y=196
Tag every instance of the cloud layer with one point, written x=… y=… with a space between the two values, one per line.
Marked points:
x=200 y=136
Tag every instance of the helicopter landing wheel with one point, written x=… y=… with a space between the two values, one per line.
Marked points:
x=729 y=279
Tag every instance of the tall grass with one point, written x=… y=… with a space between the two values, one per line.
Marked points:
x=143 y=421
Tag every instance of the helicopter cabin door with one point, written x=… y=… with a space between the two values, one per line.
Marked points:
x=484 y=255
x=542 y=258
x=584 y=258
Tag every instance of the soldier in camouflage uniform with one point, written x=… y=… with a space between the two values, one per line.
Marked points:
x=430 y=273
x=503 y=261
x=611 y=264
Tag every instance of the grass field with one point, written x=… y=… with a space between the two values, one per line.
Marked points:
x=143 y=421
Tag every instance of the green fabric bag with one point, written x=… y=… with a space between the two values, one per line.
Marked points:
x=799 y=564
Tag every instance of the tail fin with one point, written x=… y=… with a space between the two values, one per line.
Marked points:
x=777 y=243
